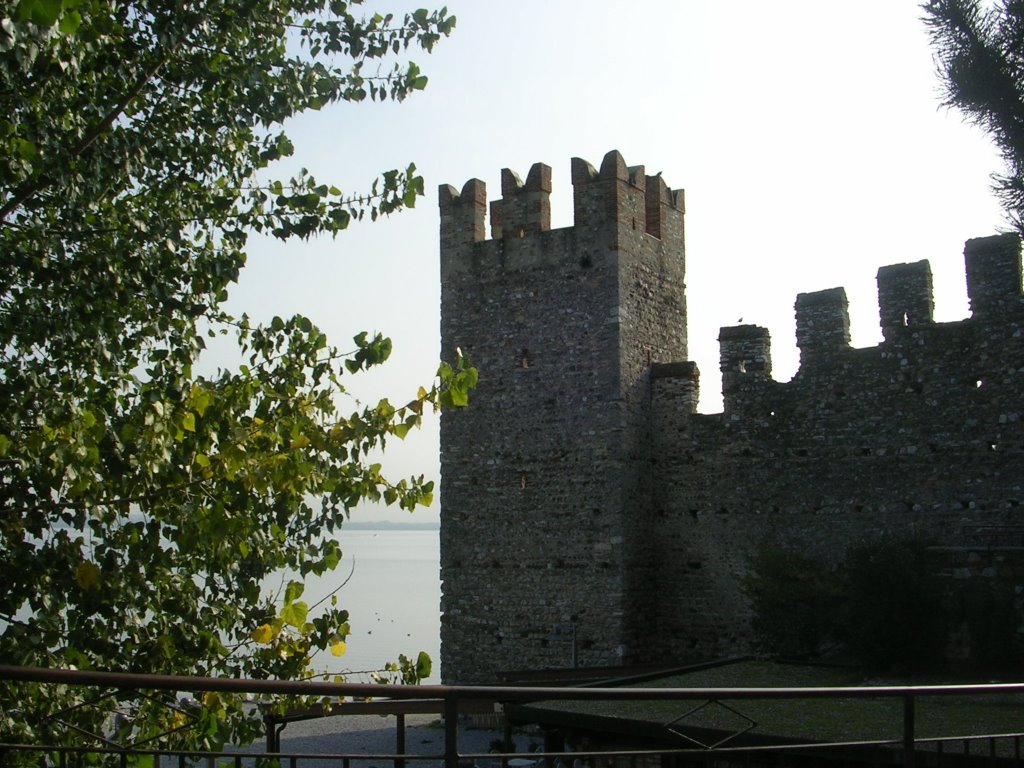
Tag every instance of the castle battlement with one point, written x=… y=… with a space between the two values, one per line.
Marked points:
x=905 y=306
x=822 y=324
x=581 y=486
x=618 y=199
x=567 y=327
x=993 y=275
x=904 y=297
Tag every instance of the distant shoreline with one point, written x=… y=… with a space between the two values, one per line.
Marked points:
x=388 y=525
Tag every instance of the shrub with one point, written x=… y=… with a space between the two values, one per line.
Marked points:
x=893 y=614
x=793 y=598
x=882 y=605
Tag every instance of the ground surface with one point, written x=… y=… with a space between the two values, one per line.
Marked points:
x=374 y=735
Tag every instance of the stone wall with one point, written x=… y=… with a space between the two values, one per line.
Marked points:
x=581 y=489
x=544 y=483
x=921 y=434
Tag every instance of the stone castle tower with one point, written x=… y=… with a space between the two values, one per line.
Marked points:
x=545 y=476
x=588 y=512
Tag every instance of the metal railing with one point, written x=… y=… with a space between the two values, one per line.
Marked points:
x=1000 y=747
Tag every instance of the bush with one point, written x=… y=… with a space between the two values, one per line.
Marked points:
x=987 y=611
x=893 y=614
x=882 y=605
x=793 y=598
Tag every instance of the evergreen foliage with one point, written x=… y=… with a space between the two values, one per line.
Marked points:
x=979 y=51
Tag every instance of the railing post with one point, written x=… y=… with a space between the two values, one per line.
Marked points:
x=400 y=739
x=451 y=731
x=269 y=727
x=908 y=731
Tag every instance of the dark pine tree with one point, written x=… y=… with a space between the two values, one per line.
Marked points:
x=979 y=51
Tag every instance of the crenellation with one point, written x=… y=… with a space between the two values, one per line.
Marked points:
x=525 y=208
x=463 y=217
x=657 y=197
x=993 y=275
x=555 y=434
x=676 y=386
x=905 y=298
x=637 y=176
x=582 y=172
x=822 y=325
x=745 y=360
x=745 y=350
x=510 y=183
x=594 y=198
x=622 y=201
x=613 y=167
x=497 y=220
x=582 y=488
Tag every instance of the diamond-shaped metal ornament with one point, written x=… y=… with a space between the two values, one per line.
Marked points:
x=743 y=724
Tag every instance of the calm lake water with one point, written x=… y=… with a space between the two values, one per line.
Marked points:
x=393 y=596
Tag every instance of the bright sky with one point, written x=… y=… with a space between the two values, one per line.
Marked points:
x=807 y=134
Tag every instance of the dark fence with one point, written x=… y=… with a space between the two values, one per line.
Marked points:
x=972 y=739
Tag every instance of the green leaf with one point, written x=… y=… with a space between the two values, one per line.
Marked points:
x=24 y=149
x=87 y=574
x=43 y=13
x=294 y=614
x=459 y=396
x=293 y=591
x=263 y=634
x=423 y=665
x=200 y=399
x=166 y=489
x=332 y=557
x=70 y=22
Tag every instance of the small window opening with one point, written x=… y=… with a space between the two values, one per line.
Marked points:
x=904 y=320
x=979 y=383
x=522 y=232
x=741 y=366
x=634 y=222
x=524 y=358
x=586 y=261
x=522 y=481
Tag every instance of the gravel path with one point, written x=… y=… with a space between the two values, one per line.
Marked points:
x=375 y=735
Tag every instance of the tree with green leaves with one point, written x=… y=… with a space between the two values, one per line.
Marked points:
x=979 y=50
x=144 y=507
